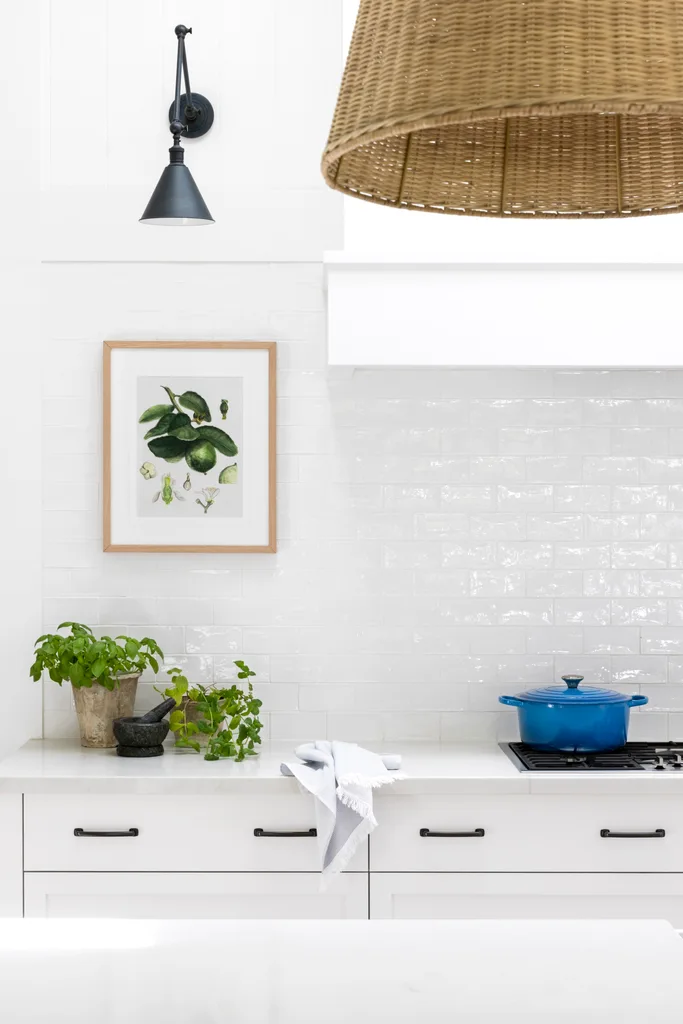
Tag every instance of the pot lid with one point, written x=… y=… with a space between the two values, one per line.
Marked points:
x=573 y=693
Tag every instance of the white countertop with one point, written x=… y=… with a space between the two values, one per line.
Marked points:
x=476 y=972
x=54 y=766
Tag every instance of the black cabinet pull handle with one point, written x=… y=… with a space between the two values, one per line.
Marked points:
x=478 y=833
x=262 y=834
x=129 y=833
x=607 y=833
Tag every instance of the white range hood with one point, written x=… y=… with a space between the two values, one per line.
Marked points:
x=390 y=312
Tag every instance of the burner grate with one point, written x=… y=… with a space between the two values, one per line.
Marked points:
x=633 y=757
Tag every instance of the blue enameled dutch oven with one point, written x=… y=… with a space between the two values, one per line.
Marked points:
x=573 y=717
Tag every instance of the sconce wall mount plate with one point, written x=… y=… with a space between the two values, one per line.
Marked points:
x=197 y=116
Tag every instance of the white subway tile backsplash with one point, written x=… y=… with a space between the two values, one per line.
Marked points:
x=441 y=525
x=488 y=583
x=500 y=412
x=525 y=555
x=498 y=526
x=555 y=526
x=611 y=412
x=582 y=498
x=639 y=610
x=403 y=498
x=468 y=556
x=661 y=470
x=472 y=498
x=579 y=383
x=612 y=527
x=663 y=699
x=530 y=498
x=554 y=583
x=583 y=439
x=595 y=668
x=444 y=534
x=611 y=583
x=495 y=468
x=652 y=498
x=640 y=441
x=526 y=441
x=662 y=583
x=556 y=640
x=611 y=470
x=639 y=556
x=405 y=726
x=582 y=556
x=213 y=640
x=662 y=526
x=637 y=671
x=499 y=640
x=619 y=640
x=587 y=611
x=526 y=611
x=661 y=640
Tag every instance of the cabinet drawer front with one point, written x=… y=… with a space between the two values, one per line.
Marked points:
x=528 y=833
x=168 y=833
x=238 y=896
x=498 y=896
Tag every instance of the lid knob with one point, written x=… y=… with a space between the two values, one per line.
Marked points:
x=572 y=681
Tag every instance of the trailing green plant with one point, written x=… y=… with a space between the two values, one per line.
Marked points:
x=228 y=715
x=82 y=659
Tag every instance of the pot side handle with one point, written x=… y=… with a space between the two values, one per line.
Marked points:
x=637 y=700
x=512 y=701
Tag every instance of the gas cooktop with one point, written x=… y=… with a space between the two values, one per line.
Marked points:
x=634 y=757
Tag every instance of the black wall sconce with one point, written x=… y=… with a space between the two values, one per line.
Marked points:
x=176 y=201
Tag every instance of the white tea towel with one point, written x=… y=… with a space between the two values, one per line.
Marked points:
x=341 y=777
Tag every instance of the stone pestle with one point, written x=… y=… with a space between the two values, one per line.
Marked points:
x=159 y=712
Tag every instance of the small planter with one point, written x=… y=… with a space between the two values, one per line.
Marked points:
x=193 y=714
x=97 y=707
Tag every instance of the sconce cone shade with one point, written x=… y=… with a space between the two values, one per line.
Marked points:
x=513 y=108
x=176 y=201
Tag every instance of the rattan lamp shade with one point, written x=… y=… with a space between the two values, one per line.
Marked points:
x=523 y=108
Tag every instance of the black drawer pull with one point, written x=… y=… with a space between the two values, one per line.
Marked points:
x=261 y=834
x=478 y=833
x=129 y=833
x=607 y=833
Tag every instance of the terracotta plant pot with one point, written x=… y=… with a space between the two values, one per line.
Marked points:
x=97 y=707
x=191 y=709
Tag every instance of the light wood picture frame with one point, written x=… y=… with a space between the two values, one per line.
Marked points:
x=189 y=446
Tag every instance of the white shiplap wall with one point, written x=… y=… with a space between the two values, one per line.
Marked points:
x=444 y=535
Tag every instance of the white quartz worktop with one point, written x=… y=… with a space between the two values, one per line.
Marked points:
x=52 y=766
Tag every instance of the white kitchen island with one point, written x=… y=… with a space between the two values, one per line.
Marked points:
x=475 y=972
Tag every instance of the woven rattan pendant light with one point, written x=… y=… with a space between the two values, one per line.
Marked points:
x=522 y=108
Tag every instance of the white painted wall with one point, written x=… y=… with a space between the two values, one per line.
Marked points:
x=445 y=535
x=20 y=443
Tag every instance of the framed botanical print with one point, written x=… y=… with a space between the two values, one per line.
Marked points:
x=189 y=446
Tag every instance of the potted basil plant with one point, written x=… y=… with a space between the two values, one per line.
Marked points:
x=103 y=674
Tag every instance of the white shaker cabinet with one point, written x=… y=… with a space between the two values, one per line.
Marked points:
x=11 y=855
x=188 y=895
x=465 y=836
x=130 y=832
x=494 y=896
